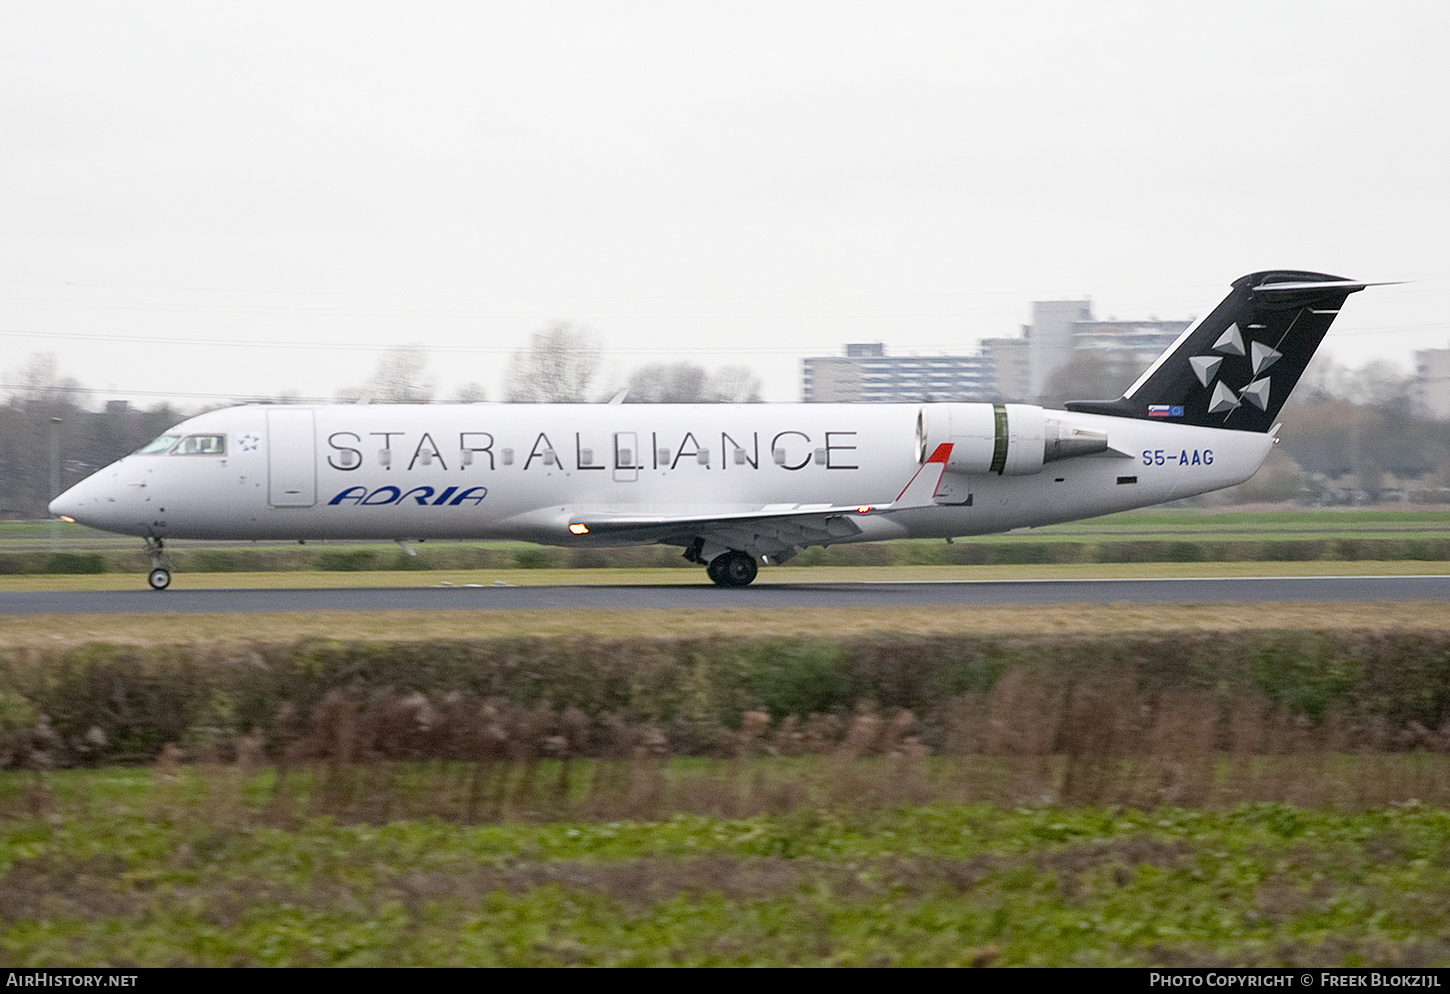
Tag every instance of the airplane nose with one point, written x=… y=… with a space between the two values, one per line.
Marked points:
x=67 y=505
x=89 y=502
x=103 y=500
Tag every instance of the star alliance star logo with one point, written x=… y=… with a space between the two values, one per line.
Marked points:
x=1224 y=398
x=249 y=442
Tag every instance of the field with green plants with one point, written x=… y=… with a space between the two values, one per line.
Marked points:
x=188 y=868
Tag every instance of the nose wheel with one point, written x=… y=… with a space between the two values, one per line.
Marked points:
x=732 y=569
x=160 y=575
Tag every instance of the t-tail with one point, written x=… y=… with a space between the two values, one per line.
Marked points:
x=1237 y=366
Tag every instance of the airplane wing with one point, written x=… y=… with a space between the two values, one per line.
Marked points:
x=776 y=530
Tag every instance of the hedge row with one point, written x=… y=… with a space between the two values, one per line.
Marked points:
x=1381 y=688
x=964 y=553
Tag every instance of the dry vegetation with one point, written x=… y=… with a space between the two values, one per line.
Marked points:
x=1132 y=715
x=392 y=756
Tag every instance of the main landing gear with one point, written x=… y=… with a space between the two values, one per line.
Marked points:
x=160 y=575
x=732 y=569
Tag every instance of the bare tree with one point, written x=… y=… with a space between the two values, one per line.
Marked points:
x=39 y=383
x=1323 y=378
x=1376 y=383
x=401 y=378
x=686 y=383
x=734 y=385
x=1380 y=383
x=666 y=383
x=38 y=425
x=1090 y=376
x=469 y=393
x=557 y=367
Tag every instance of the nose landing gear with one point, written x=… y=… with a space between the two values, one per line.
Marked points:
x=160 y=575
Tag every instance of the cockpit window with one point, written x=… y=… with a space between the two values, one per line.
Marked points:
x=157 y=445
x=201 y=445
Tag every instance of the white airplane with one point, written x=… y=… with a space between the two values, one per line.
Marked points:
x=733 y=485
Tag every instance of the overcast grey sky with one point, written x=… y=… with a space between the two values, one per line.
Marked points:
x=238 y=199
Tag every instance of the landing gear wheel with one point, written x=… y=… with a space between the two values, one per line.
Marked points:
x=732 y=569
x=160 y=575
x=712 y=570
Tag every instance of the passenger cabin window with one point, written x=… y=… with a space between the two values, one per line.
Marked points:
x=157 y=445
x=201 y=445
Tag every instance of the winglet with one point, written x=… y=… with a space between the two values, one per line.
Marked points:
x=923 y=486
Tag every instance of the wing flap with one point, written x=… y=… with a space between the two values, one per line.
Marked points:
x=918 y=492
x=771 y=529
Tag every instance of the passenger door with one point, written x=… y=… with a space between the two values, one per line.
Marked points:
x=291 y=458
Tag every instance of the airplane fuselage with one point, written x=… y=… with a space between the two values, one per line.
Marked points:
x=494 y=471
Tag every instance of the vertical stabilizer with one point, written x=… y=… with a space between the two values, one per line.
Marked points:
x=1237 y=366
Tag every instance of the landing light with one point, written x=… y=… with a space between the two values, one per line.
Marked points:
x=864 y=509
x=67 y=519
x=578 y=529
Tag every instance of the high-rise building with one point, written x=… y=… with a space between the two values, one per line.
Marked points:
x=1007 y=369
x=1049 y=337
x=1012 y=362
x=1137 y=341
x=1431 y=385
x=866 y=373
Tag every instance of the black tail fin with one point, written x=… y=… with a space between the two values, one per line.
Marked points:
x=1236 y=367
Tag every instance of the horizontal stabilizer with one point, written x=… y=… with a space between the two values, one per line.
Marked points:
x=1348 y=286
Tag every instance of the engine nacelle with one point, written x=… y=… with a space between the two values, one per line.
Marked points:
x=1006 y=439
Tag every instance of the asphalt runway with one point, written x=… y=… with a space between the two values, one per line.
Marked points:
x=763 y=596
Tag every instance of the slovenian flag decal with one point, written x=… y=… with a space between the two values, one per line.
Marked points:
x=1165 y=411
